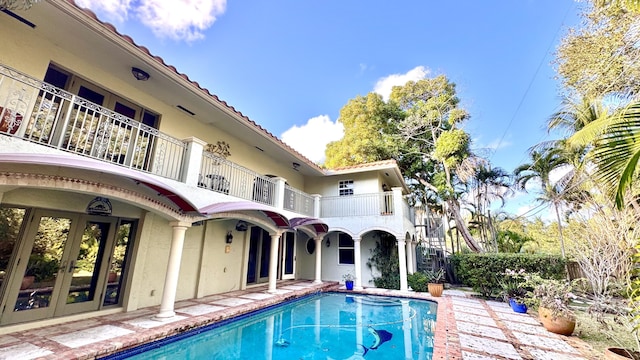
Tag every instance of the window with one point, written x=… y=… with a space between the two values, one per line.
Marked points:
x=311 y=246
x=345 y=250
x=345 y=187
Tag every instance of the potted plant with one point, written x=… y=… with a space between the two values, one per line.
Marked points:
x=435 y=282
x=552 y=298
x=38 y=269
x=515 y=289
x=348 y=280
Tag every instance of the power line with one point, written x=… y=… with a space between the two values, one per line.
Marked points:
x=535 y=75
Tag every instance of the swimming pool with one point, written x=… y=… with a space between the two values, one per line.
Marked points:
x=322 y=326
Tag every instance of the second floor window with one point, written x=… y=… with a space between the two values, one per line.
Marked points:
x=345 y=187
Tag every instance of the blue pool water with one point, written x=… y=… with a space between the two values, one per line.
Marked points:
x=323 y=326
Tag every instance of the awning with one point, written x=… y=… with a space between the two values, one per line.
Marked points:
x=317 y=224
x=79 y=162
x=238 y=206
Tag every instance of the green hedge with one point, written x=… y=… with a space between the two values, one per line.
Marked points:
x=482 y=271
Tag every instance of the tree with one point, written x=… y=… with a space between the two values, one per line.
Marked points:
x=540 y=168
x=615 y=150
x=368 y=122
x=418 y=127
x=434 y=148
x=602 y=57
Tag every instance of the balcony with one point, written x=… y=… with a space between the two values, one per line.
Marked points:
x=376 y=204
x=41 y=113
x=223 y=176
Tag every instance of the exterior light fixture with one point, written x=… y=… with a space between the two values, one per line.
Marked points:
x=229 y=237
x=296 y=166
x=139 y=74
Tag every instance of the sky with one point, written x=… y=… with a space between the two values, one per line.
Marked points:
x=291 y=65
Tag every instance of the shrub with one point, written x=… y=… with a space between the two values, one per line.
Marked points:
x=483 y=271
x=418 y=281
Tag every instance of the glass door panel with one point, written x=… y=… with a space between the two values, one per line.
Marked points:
x=10 y=225
x=86 y=272
x=117 y=265
x=289 y=255
x=85 y=267
x=42 y=261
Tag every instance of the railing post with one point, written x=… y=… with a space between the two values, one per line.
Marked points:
x=63 y=130
x=397 y=201
x=278 y=202
x=192 y=161
x=316 y=205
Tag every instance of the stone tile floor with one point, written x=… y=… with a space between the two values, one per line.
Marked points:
x=467 y=328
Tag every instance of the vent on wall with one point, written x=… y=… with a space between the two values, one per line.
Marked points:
x=185 y=110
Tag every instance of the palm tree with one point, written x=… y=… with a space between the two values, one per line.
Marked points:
x=615 y=149
x=540 y=168
x=490 y=184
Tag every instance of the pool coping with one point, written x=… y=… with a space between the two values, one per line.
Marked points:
x=141 y=348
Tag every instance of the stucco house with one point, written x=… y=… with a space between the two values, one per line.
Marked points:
x=124 y=184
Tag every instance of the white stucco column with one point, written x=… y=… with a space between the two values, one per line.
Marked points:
x=357 y=260
x=318 y=277
x=402 y=259
x=273 y=261
x=279 y=193
x=173 y=270
x=192 y=160
x=414 y=256
x=409 y=258
x=316 y=205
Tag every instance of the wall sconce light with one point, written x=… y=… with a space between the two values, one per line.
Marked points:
x=241 y=225
x=229 y=237
x=296 y=166
x=328 y=242
x=139 y=74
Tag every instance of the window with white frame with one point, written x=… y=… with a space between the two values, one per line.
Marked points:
x=346 y=255
x=345 y=187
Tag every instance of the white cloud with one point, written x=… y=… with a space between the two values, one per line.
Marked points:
x=385 y=84
x=176 y=19
x=180 y=20
x=115 y=10
x=312 y=138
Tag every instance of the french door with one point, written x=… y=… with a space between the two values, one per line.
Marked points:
x=259 y=256
x=64 y=258
x=288 y=262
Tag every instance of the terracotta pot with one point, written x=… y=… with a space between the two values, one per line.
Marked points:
x=27 y=281
x=559 y=325
x=435 y=289
x=113 y=276
x=620 y=354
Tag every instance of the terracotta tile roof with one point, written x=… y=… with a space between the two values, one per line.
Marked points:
x=160 y=60
x=367 y=165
